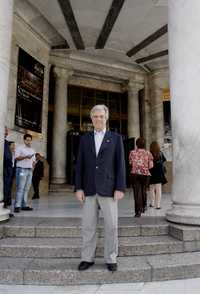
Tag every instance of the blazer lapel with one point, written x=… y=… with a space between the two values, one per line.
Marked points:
x=105 y=143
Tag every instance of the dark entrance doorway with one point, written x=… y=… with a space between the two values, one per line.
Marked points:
x=80 y=102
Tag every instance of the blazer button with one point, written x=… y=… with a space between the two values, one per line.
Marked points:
x=97 y=167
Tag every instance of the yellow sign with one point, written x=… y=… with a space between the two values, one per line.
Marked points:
x=166 y=95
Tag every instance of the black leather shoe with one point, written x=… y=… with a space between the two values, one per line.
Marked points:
x=27 y=208
x=84 y=265
x=112 y=267
x=17 y=209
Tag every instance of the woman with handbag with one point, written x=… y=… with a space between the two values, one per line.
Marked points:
x=157 y=178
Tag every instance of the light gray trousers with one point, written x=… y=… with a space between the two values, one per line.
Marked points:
x=109 y=208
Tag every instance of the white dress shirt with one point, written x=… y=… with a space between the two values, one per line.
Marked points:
x=98 y=139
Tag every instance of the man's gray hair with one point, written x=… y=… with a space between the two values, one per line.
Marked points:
x=100 y=107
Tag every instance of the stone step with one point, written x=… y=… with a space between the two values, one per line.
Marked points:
x=71 y=247
x=64 y=271
x=71 y=227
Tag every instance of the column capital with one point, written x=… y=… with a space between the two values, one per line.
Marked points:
x=134 y=84
x=62 y=72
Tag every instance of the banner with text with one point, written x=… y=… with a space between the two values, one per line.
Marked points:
x=30 y=80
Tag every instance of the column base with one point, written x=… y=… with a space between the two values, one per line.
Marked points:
x=184 y=214
x=58 y=180
x=4 y=213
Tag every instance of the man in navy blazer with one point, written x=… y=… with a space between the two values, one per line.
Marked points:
x=100 y=183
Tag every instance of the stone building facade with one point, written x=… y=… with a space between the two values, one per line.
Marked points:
x=79 y=69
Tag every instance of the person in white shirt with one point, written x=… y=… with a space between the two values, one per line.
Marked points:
x=25 y=159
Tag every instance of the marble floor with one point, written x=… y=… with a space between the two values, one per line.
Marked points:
x=65 y=205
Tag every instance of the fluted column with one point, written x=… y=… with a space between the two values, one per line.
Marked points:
x=184 y=48
x=6 y=16
x=147 y=113
x=133 y=109
x=60 y=126
x=157 y=81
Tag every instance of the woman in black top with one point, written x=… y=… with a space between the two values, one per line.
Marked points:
x=157 y=178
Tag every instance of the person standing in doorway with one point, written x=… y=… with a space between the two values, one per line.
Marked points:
x=25 y=159
x=38 y=174
x=100 y=183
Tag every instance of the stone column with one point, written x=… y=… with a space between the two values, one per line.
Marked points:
x=60 y=126
x=184 y=48
x=6 y=16
x=157 y=120
x=147 y=111
x=133 y=109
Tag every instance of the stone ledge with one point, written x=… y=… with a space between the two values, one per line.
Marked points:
x=175 y=266
x=71 y=227
x=184 y=233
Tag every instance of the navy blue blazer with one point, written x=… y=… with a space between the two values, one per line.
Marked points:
x=102 y=174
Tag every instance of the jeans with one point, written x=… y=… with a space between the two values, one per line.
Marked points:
x=23 y=184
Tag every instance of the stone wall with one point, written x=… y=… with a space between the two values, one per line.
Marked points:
x=24 y=37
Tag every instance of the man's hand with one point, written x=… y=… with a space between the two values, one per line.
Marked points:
x=80 y=196
x=118 y=195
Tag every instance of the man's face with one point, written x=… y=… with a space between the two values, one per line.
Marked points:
x=99 y=120
x=28 y=142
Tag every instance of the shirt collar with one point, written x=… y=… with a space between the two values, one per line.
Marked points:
x=100 y=132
